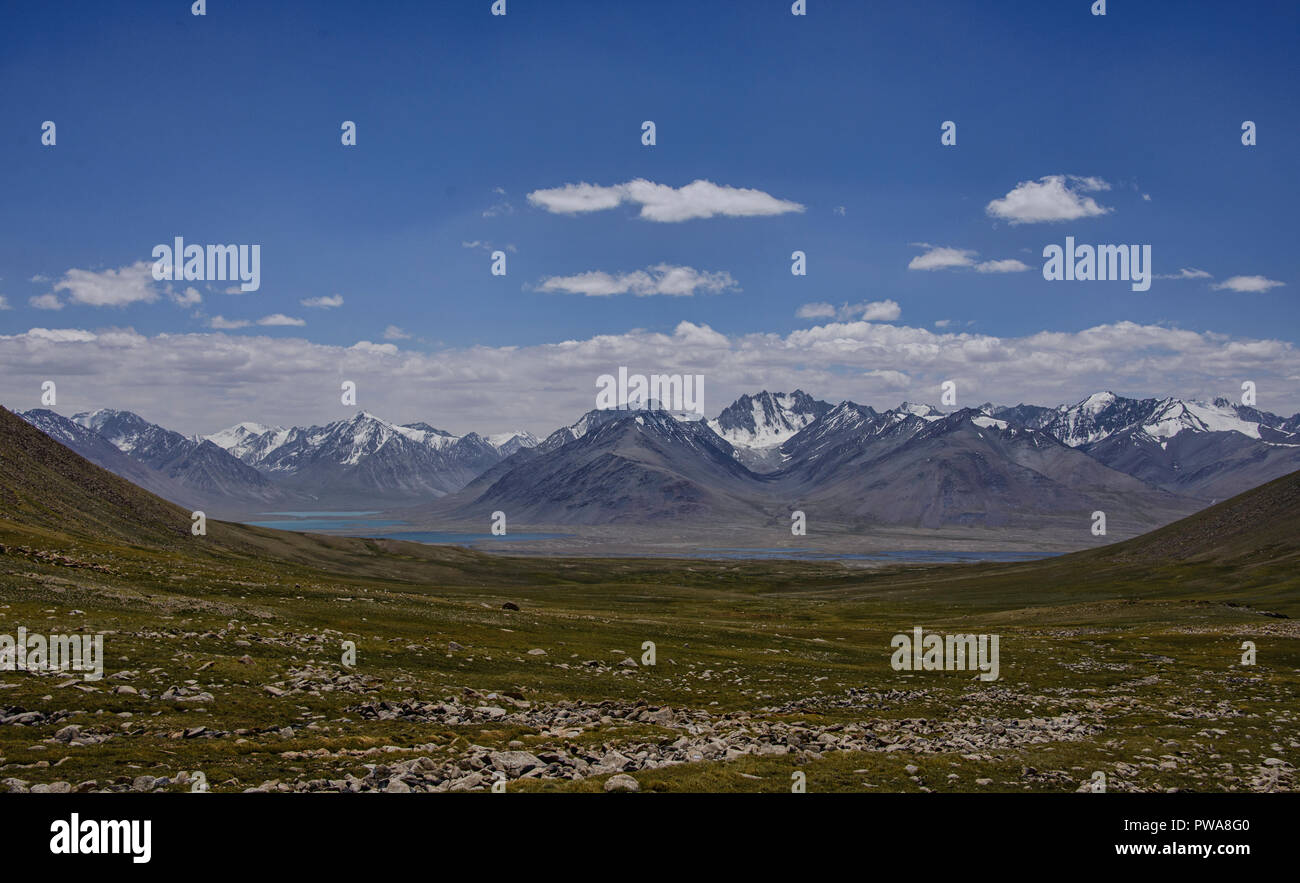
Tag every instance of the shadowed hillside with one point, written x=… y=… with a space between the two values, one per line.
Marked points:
x=1258 y=526
x=45 y=485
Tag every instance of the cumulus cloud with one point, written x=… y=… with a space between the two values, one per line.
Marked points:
x=1050 y=198
x=1011 y=265
x=392 y=332
x=185 y=380
x=46 y=302
x=62 y=335
x=663 y=203
x=280 y=319
x=659 y=279
x=188 y=298
x=223 y=324
x=323 y=302
x=867 y=311
x=4 y=303
x=877 y=311
x=110 y=288
x=942 y=258
x=816 y=311
x=945 y=258
x=1251 y=284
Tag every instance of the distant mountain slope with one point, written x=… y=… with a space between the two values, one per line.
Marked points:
x=53 y=499
x=1207 y=450
x=175 y=468
x=964 y=468
x=196 y=465
x=366 y=460
x=98 y=450
x=634 y=467
x=1143 y=461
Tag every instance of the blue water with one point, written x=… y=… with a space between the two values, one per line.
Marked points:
x=319 y=525
x=923 y=556
x=358 y=525
x=443 y=538
x=323 y=514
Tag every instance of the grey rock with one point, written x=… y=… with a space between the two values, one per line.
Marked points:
x=621 y=782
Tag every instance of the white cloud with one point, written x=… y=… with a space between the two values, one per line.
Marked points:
x=888 y=377
x=1011 y=265
x=383 y=349
x=190 y=297
x=484 y=246
x=816 y=311
x=223 y=324
x=280 y=319
x=40 y=277
x=110 y=288
x=659 y=279
x=184 y=380
x=392 y=332
x=62 y=335
x=660 y=202
x=4 y=303
x=867 y=311
x=1186 y=273
x=879 y=311
x=942 y=258
x=501 y=207
x=1050 y=198
x=1252 y=284
x=945 y=258
x=46 y=302
x=323 y=302
x=1087 y=184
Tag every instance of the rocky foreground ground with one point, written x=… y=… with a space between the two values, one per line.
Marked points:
x=475 y=738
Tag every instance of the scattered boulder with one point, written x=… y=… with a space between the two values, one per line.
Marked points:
x=621 y=782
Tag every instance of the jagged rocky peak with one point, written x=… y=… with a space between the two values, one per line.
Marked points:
x=767 y=419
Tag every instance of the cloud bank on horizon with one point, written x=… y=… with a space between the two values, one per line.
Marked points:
x=199 y=383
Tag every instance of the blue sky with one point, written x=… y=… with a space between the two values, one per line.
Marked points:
x=225 y=129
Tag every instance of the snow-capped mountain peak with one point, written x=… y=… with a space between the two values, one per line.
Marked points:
x=1172 y=416
x=1103 y=415
x=767 y=420
x=925 y=412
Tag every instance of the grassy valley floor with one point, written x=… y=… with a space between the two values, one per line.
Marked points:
x=228 y=663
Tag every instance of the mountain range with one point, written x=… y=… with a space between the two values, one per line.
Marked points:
x=1143 y=461
x=362 y=462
